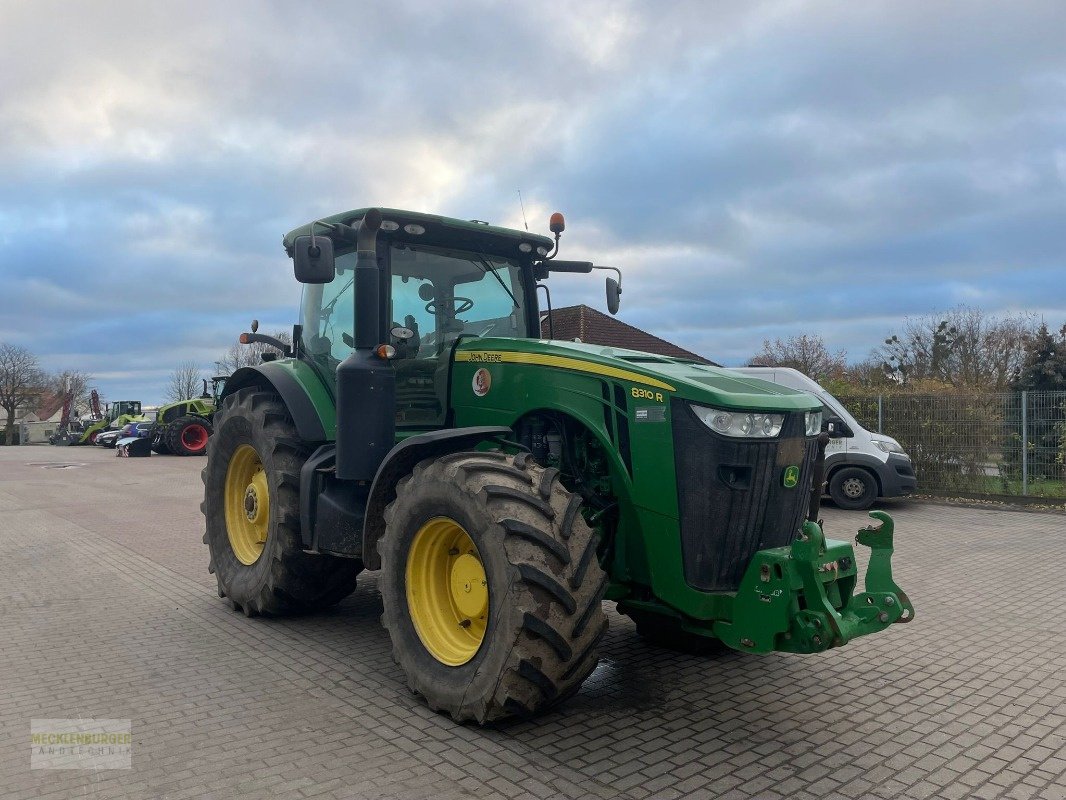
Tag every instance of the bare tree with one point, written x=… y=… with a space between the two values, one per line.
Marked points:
x=248 y=355
x=21 y=382
x=808 y=354
x=73 y=382
x=963 y=348
x=861 y=378
x=186 y=382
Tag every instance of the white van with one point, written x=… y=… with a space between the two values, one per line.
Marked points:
x=860 y=466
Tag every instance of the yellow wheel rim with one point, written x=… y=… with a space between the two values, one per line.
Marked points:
x=247 y=505
x=447 y=591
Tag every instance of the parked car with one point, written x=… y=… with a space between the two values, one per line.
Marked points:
x=860 y=465
x=110 y=437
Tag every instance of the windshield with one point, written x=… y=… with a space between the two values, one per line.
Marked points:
x=443 y=294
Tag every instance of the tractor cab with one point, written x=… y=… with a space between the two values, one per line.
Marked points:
x=433 y=294
x=218 y=385
x=123 y=408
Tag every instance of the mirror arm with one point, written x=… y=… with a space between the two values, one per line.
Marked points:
x=617 y=272
x=551 y=324
x=250 y=338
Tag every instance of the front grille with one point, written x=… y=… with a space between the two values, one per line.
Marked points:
x=732 y=498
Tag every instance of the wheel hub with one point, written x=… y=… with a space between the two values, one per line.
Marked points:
x=853 y=488
x=247 y=505
x=469 y=587
x=251 y=503
x=447 y=591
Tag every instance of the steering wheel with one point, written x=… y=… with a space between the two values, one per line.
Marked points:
x=461 y=305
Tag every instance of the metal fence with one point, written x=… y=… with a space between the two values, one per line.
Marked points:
x=981 y=444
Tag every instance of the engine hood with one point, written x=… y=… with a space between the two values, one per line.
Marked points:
x=687 y=380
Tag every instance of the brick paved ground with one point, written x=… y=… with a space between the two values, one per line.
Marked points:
x=107 y=611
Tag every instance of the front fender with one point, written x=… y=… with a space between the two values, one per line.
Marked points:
x=309 y=402
x=400 y=461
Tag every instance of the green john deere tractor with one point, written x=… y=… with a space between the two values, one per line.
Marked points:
x=183 y=428
x=504 y=485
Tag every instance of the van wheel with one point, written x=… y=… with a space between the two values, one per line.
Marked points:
x=853 y=488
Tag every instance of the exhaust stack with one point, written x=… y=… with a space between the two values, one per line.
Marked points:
x=366 y=384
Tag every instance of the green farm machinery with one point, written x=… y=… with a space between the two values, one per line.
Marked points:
x=504 y=486
x=114 y=415
x=183 y=428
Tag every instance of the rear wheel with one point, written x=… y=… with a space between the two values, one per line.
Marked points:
x=853 y=488
x=187 y=436
x=252 y=510
x=491 y=586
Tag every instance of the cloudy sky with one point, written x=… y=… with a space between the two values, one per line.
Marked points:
x=757 y=169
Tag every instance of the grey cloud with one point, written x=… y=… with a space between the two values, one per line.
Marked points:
x=757 y=169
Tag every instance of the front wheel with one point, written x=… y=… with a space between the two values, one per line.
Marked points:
x=853 y=488
x=252 y=509
x=491 y=586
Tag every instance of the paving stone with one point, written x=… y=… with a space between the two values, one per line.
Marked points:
x=107 y=610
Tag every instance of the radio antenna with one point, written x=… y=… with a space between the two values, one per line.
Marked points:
x=523 y=209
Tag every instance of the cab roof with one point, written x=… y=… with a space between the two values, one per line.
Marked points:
x=438 y=231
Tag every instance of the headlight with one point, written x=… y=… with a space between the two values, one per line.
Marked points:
x=740 y=423
x=812 y=421
x=888 y=447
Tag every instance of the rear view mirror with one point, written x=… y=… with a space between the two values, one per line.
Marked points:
x=313 y=264
x=837 y=428
x=613 y=295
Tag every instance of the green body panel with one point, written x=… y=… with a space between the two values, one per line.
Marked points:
x=700 y=383
x=200 y=406
x=534 y=375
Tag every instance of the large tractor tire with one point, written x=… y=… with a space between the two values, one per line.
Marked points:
x=159 y=445
x=491 y=586
x=188 y=436
x=252 y=509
